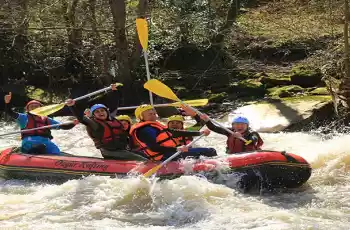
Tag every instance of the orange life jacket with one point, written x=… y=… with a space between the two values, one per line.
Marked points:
x=164 y=138
x=35 y=121
x=183 y=140
x=235 y=145
x=113 y=137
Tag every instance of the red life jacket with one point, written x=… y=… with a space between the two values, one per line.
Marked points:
x=113 y=137
x=35 y=121
x=235 y=145
x=164 y=138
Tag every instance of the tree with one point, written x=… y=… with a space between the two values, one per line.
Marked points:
x=231 y=17
x=345 y=85
x=118 y=9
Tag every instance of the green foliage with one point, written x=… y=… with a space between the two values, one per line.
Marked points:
x=272 y=80
x=248 y=88
x=306 y=77
x=319 y=91
x=285 y=91
x=287 y=20
x=305 y=71
x=65 y=45
x=42 y=95
x=218 y=97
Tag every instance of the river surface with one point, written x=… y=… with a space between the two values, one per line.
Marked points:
x=189 y=202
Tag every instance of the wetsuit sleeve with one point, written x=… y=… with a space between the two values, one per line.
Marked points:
x=148 y=136
x=84 y=119
x=113 y=100
x=10 y=112
x=255 y=137
x=217 y=129
x=53 y=122
x=200 y=123
x=22 y=120
x=66 y=127
x=183 y=133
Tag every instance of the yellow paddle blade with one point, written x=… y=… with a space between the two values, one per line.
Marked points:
x=118 y=84
x=197 y=102
x=160 y=89
x=47 y=110
x=142 y=31
x=248 y=142
x=152 y=171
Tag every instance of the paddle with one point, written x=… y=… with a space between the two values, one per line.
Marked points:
x=49 y=109
x=198 y=102
x=153 y=170
x=43 y=127
x=142 y=31
x=163 y=90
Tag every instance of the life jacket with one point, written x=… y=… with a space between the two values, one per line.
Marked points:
x=35 y=121
x=164 y=138
x=183 y=140
x=113 y=137
x=235 y=145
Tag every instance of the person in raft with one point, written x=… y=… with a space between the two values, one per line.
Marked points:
x=176 y=122
x=157 y=141
x=108 y=134
x=240 y=127
x=38 y=141
x=126 y=121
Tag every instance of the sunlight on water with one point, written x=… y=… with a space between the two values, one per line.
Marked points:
x=188 y=202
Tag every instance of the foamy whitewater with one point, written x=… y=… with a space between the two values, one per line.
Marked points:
x=189 y=202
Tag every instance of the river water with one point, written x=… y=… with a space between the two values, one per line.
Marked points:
x=188 y=202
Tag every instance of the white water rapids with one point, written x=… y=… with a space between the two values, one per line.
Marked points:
x=188 y=202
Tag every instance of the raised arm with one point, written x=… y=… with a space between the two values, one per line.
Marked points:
x=8 y=108
x=80 y=115
x=185 y=133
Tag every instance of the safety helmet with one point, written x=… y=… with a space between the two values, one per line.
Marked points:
x=142 y=108
x=176 y=118
x=98 y=106
x=240 y=119
x=123 y=118
x=32 y=102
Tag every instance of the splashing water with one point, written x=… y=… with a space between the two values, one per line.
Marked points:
x=189 y=202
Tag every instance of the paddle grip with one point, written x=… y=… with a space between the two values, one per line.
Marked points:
x=93 y=93
x=218 y=124
x=148 y=75
x=43 y=127
x=176 y=104
x=134 y=107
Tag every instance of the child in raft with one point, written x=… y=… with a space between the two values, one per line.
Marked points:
x=38 y=141
x=176 y=122
x=126 y=121
x=240 y=127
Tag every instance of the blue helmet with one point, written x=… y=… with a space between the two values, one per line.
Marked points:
x=97 y=106
x=240 y=119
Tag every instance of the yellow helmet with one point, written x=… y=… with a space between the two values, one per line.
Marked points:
x=176 y=118
x=142 y=108
x=124 y=118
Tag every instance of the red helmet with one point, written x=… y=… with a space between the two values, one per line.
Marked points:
x=31 y=103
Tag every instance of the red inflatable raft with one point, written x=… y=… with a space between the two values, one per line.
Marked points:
x=268 y=168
